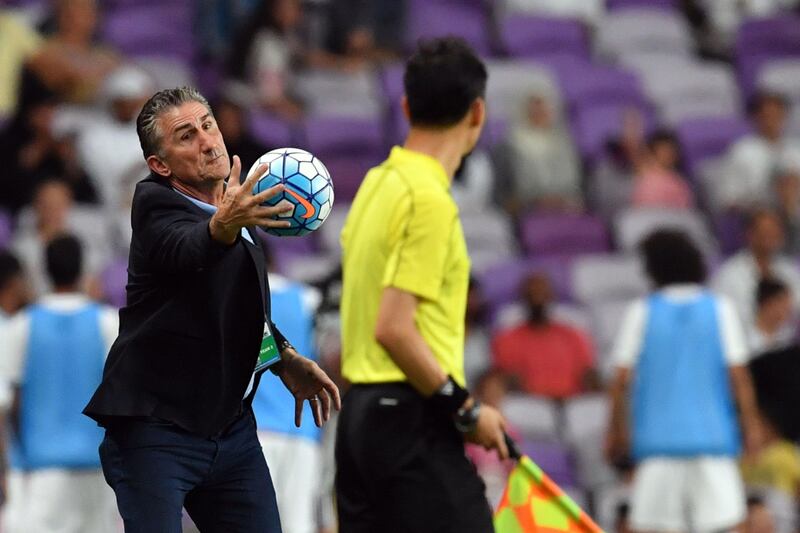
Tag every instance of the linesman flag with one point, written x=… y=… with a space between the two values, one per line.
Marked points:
x=533 y=503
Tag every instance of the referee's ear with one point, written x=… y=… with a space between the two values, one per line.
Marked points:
x=406 y=110
x=477 y=113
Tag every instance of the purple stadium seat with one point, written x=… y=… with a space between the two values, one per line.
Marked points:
x=272 y=131
x=593 y=125
x=587 y=83
x=762 y=40
x=730 y=228
x=705 y=138
x=390 y=78
x=501 y=283
x=163 y=29
x=327 y=134
x=549 y=234
x=114 y=278
x=433 y=18
x=554 y=458
x=532 y=36
x=347 y=171
x=656 y=4
x=5 y=228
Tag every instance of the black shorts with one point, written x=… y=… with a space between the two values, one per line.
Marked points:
x=401 y=467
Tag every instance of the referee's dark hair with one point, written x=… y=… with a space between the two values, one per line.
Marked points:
x=63 y=257
x=443 y=78
x=10 y=268
x=671 y=257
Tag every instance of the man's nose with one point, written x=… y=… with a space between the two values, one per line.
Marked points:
x=208 y=142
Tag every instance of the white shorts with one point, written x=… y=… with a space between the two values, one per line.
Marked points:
x=703 y=494
x=53 y=500
x=295 y=464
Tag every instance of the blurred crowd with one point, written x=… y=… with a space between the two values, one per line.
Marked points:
x=608 y=119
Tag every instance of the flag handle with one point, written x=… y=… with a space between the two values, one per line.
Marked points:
x=513 y=449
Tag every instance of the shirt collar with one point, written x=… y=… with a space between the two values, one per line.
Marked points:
x=432 y=165
x=208 y=208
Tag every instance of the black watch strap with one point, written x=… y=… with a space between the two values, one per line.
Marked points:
x=449 y=398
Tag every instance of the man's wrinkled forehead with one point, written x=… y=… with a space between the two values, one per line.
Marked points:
x=184 y=116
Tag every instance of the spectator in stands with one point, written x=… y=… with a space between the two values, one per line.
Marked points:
x=610 y=187
x=231 y=114
x=682 y=352
x=538 y=165
x=294 y=453
x=477 y=345
x=738 y=277
x=71 y=63
x=658 y=182
x=787 y=202
x=367 y=29
x=34 y=151
x=772 y=328
x=107 y=145
x=474 y=185
x=54 y=353
x=752 y=161
x=51 y=207
x=18 y=44
x=13 y=286
x=725 y=16
x=550 y=358
x=267 y=50
x=53 y=214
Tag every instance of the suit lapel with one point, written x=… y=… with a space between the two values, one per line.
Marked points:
x=257 y=256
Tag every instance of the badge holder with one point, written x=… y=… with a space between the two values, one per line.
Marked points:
x=268 y=355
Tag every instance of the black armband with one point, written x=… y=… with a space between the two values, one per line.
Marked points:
x=449 y=398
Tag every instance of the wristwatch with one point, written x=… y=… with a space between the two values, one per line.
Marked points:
x=466 y=418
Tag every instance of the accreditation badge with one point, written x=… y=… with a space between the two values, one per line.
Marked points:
x=268 y=355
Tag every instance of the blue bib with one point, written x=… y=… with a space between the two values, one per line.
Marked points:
x=63 y=367
x=273 y=405
x=682 y=405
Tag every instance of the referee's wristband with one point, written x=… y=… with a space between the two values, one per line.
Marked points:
x=449 y=398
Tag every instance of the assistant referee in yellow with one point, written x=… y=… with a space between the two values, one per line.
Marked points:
x=400 y=444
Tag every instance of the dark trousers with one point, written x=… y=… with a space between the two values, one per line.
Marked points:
x=156 y=469
x=401 y=467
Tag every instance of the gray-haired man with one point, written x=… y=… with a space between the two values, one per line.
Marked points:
x=195 y=335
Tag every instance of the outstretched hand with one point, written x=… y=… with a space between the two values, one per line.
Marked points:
x=240 y=207
x=307 y=381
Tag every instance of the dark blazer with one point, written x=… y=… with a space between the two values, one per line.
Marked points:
x=191 y=331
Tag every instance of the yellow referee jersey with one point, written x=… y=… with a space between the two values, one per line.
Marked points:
x=403 y=231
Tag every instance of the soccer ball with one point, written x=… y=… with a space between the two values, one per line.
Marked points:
x=307 y=185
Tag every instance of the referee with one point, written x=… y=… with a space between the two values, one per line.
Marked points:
x=400 y=456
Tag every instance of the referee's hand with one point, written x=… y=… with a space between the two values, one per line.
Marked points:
x=490 y=431
x=240 y=207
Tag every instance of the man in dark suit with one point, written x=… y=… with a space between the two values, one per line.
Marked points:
x=194 y=337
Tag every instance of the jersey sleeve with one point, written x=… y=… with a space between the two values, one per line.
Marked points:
x=628 y=343
x=416 y=261
x=734 y=345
